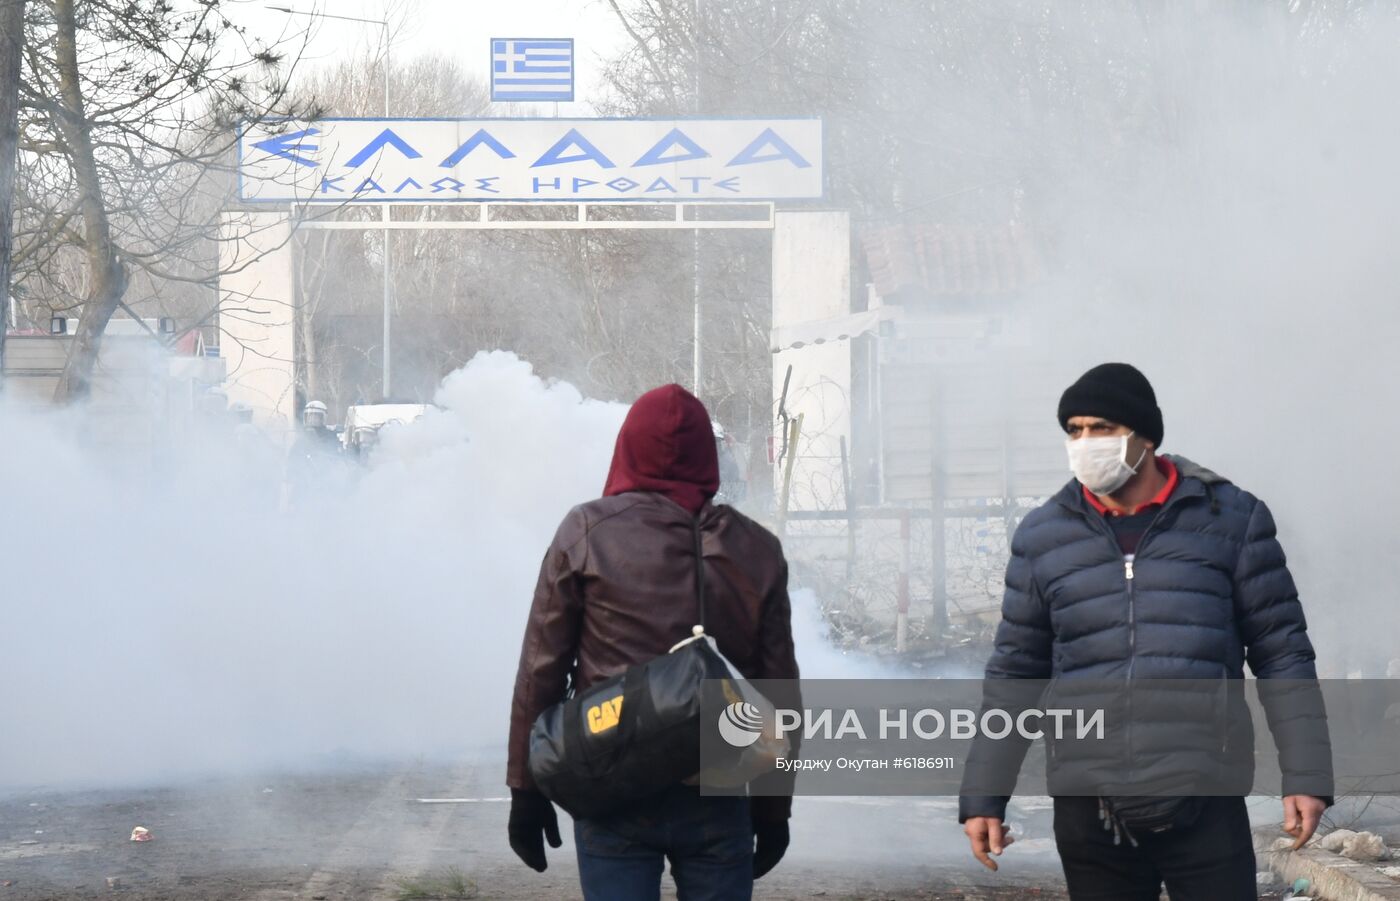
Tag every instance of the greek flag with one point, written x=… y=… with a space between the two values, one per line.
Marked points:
x=532 y=69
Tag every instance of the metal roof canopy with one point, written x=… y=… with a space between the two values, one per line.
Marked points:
x=580 y=219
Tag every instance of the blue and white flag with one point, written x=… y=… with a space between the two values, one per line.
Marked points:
x=525 y=69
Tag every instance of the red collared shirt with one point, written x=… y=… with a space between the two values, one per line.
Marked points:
x=1165 y=467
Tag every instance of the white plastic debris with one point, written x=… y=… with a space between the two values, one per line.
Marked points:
x=1264 y=878
x=141 y=834
x=1334 y=840
x=1364 y=846
x=1392 y=872
x=1282 y=844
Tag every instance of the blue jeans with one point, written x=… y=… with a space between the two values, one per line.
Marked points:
x=709 y=842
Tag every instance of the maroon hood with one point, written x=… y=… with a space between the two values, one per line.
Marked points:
x=666 y=445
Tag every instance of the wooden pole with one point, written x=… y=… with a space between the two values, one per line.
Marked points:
x=850 y=511
x=901 y=623
x=794 y=432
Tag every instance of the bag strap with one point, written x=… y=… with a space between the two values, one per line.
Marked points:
x=699 y=571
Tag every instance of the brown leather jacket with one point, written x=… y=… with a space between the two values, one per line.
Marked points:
x=617 y=588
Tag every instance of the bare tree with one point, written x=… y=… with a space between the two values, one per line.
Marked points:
x=132 y=114
x=11 y=48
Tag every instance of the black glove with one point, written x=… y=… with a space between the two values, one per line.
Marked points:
x=770 y=844
x=532 y=820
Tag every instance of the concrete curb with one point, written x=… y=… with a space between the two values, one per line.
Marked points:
x=1333 y=876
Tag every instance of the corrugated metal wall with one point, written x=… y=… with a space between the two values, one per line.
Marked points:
x=32 y=367
x=964 y=419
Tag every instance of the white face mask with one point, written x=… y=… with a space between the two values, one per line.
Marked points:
x=1101 y=464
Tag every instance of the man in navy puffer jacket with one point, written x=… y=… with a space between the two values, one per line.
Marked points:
x=1149 y=567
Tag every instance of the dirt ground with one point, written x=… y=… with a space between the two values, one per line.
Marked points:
x=360 y=834
x=364 y=833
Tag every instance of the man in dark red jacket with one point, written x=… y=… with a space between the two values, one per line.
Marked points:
x=617 y=588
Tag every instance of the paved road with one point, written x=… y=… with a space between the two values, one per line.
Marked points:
x=355 y=835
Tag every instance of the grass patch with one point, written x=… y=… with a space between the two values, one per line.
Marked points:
x=448 y=885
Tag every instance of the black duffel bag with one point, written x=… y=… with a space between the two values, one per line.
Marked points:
x=628 y=737
x=635 y=735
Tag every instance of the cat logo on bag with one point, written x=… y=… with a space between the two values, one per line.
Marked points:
x=604 y=716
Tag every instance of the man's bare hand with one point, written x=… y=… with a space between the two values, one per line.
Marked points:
x=988 y=836
x=1301 y=814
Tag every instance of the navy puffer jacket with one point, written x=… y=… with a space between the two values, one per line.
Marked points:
x=1207 y=591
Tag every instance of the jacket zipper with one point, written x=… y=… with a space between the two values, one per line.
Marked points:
x=1132 y=653
x=1132 y=622
x=1224 y=718
x=1128 y=576
x=1128 y=566
x=1132 y=616
x=1128 y=581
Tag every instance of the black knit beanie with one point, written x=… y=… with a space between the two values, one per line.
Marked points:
x=1117 y=392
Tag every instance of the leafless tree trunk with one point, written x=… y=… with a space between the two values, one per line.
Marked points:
x=106 y=274
x=11 y=49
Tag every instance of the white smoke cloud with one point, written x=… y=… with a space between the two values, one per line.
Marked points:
x=181 y=622
x=175 y=622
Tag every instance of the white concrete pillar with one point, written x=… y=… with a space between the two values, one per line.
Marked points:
x=812 y=281
x=257 y=316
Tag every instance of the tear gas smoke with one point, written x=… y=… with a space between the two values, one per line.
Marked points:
x=178 y=625
x=181 y=625
x=1240 y=262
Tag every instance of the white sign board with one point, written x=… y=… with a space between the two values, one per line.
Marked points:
x=579 y=160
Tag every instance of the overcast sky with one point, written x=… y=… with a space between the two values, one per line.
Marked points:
x=458 y=28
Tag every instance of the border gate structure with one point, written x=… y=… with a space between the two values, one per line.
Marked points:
x=608 y=174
